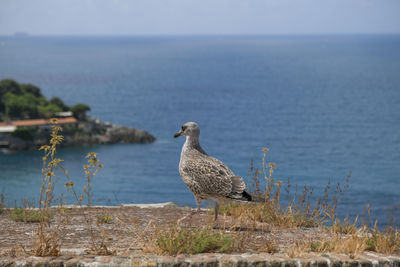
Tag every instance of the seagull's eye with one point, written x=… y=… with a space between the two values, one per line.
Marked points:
x=183 y=128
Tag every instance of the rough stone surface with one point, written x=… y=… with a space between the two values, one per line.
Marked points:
x=206 y=260
x=124 y=237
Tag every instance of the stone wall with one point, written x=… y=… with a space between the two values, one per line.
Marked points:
x=325 y=260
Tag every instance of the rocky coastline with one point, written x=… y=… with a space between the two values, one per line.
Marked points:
x=84 y=132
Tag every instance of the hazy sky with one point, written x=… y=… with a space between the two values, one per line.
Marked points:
x=138 y=17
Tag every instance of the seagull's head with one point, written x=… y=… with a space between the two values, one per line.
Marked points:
x=189 y=129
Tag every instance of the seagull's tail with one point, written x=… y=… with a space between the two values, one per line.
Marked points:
x=239 y=193
x=246 y=196
x=243 y=197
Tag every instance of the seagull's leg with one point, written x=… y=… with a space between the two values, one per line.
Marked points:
x=189 y=216
x=198 y=202
x=216 y=208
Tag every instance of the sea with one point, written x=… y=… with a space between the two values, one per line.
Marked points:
x=326 y=106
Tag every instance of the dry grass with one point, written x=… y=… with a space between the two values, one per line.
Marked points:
x=269 y=213
x=298 y=211
x=351 y=244
x=386 y=242
x=347 y=237
x=344 y=227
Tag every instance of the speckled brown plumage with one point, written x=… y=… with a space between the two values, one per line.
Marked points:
x=207 y=177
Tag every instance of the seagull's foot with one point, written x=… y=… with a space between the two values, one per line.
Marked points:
x=186 y=218
x=217 y=223
x=216 y=226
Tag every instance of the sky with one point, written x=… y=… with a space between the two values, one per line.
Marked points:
x=198 y=17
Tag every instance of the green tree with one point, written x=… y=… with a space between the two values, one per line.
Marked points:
x=79 y=110
x=25 y=101
x=59 y=103
x=30 y=88
x=8 y=86
x=21 y=106
x=48 y=111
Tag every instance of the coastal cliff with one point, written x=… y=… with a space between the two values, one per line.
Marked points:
x=78 y=133
x=25 y=121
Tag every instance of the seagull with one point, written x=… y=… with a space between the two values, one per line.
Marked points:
x=206 y=177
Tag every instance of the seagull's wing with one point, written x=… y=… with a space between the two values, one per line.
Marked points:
x=213 y=177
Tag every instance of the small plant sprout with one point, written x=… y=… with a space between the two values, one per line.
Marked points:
x=97 y=234
x=48 y=238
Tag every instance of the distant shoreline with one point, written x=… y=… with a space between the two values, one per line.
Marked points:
x=195 y=35
x=76 y=133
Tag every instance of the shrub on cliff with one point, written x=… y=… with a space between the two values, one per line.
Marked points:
x=21 y=106
x=49 y=110
x=30 y=88
x=79 y=110
x=25 y=101
x=7 y=86
x=56 y=101
x=24 y=133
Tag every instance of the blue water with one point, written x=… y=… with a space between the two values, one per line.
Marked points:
x=324 y=105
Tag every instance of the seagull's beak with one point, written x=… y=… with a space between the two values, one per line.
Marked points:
x=178 y=134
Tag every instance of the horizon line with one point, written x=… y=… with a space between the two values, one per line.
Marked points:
x=27 y=34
